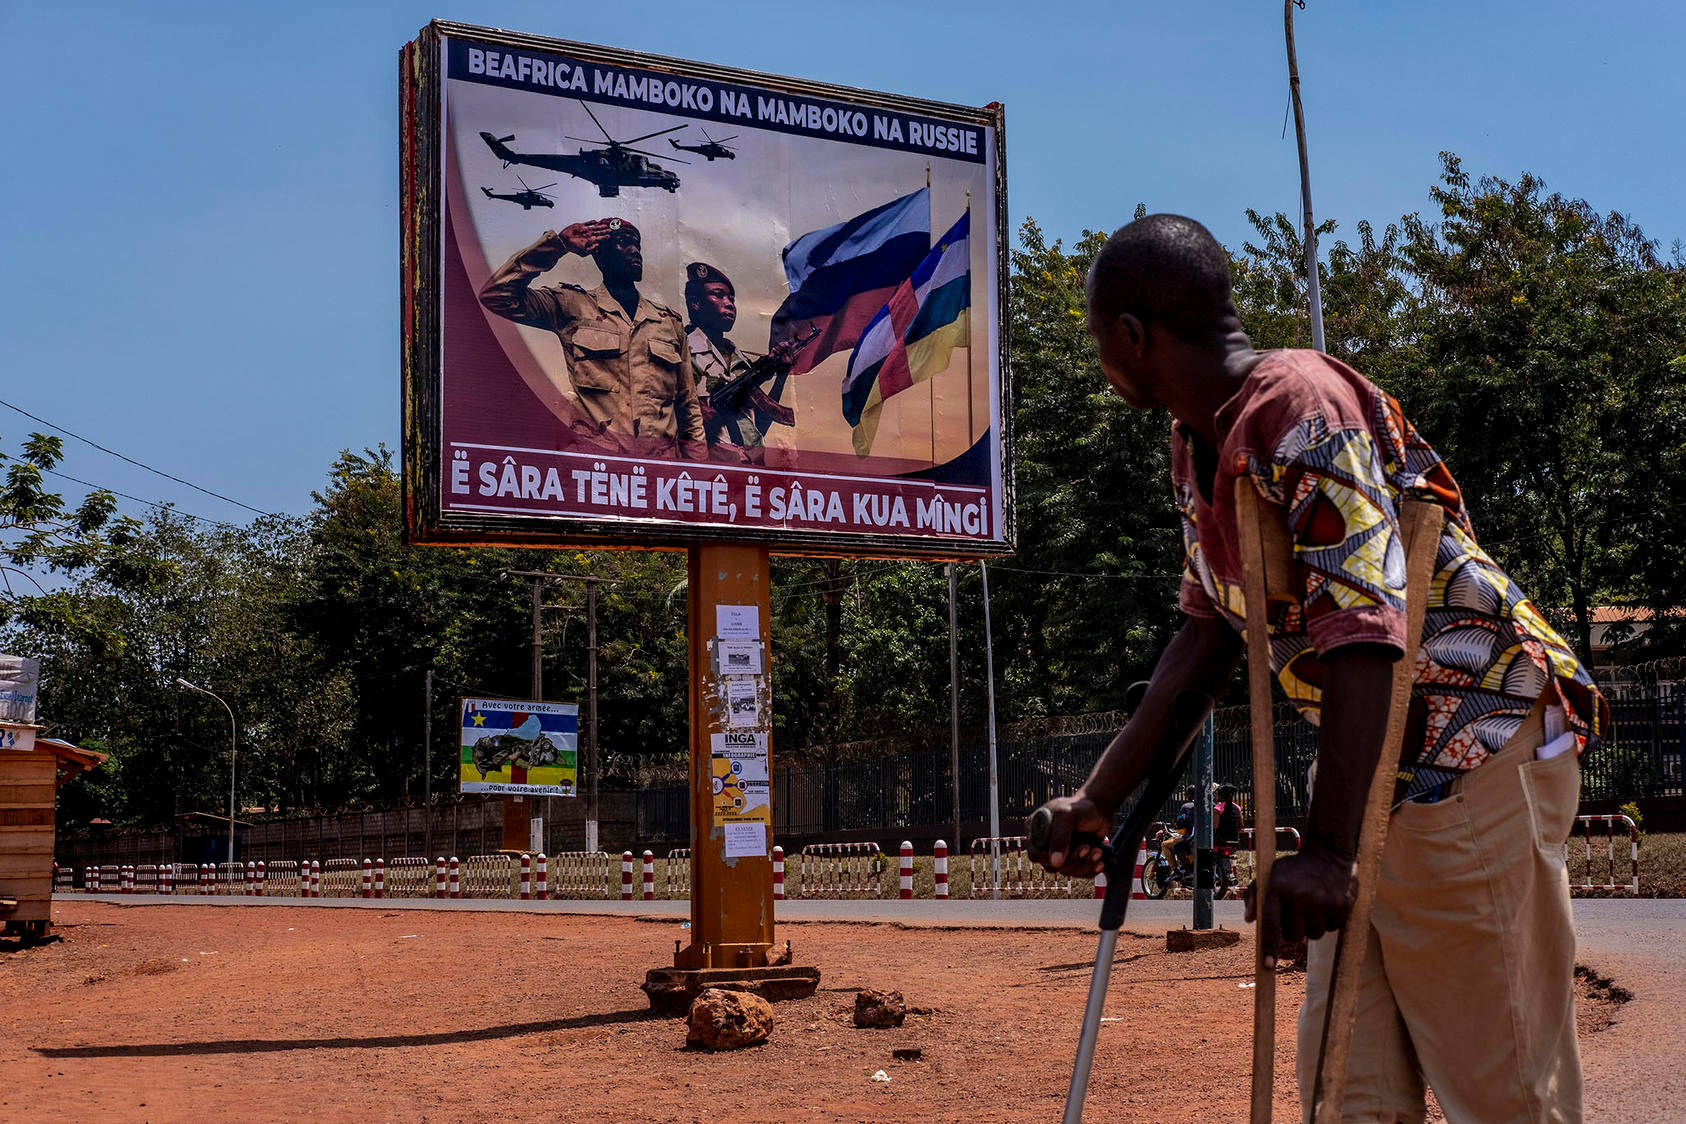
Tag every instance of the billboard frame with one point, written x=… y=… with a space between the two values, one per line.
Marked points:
x=421 y=86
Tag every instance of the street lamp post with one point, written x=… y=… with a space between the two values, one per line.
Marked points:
x=231 y=728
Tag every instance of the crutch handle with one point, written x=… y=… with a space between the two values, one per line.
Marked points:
x=1042 y=826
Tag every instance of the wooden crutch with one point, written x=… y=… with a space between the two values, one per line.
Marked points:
x=1267 y=554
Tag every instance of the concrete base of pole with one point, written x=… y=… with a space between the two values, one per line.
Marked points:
x=1194 y=940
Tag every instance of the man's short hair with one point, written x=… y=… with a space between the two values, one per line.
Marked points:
x=1166 y=270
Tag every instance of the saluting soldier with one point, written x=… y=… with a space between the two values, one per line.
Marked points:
x=627 y=356
x=737 y=428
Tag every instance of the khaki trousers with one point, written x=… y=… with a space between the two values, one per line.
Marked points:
x=1468 y=979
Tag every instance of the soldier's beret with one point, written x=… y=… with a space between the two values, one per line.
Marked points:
x=620 y=229
x=700 y=273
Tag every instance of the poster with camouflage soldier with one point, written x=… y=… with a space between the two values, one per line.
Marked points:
x=519 y=748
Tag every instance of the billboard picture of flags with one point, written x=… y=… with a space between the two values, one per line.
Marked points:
x=912 y=337
x=523 y=748
x=840 y=275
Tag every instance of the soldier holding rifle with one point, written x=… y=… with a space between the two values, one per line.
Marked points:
x=738 y=407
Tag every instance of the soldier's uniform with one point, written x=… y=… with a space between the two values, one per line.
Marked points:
x=713 y=367
x=632 y=377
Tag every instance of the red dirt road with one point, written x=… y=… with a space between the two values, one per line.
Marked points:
x=181 y=1013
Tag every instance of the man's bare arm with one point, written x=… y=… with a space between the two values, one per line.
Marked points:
x=1202 y=656
x=508 y=292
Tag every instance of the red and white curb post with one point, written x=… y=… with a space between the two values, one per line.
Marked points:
x=368 y=878
x=649 y=876
x=1136 y=890
x=456 y=878
x=543 y=888
x=439 y=878
x=939 y=862
x=626 y=876
x=778 y=874
x=526 y=877
x=315 y=878
x=380 y=878
x=907 y=870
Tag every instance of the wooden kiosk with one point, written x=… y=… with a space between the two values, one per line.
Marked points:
x=31 y=770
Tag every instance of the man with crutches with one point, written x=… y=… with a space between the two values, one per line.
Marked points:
x=1313 y=511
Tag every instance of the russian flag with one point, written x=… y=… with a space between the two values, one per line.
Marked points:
x=840 y=275
x=913 y=336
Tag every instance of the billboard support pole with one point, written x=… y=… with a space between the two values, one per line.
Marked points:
x=731 y=899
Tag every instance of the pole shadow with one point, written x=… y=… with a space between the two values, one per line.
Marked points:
x=377 y=1042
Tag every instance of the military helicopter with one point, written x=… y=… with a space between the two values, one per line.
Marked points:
x=528 y=197
x=714 y=149
x=612 y=168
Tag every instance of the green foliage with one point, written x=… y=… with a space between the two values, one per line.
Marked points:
x=1539 y=344
x=1632 y=812
x=38 y=530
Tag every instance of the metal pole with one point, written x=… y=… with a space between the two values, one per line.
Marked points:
x=230 y=776
x=994 y=776
x=591 y=727
x=954 y=706
x=232 y=738
x=1313 y=290
x=1203 y=827
x=538 y=642
x=427 y=763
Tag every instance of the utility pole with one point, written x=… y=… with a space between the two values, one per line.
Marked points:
x=1205 y=868
x=954 y=708
x=994 y=776
x=427 y=764
x=591 y=770
x=1313 y=291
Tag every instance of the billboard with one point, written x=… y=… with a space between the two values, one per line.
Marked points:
x=655 y=302
x=519 y=748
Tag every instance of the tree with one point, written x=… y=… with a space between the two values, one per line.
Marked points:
x=1550 y=339
x=38 y=530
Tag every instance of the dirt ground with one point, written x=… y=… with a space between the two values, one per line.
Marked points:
x=186 y=1013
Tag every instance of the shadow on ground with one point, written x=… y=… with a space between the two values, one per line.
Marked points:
x=378 y=1042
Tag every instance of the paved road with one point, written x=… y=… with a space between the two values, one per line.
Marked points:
x=1635 y=1070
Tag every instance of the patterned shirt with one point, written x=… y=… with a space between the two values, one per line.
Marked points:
x=1320 y=440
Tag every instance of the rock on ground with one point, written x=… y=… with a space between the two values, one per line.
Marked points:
x=875 y=1008
x=726 y=1020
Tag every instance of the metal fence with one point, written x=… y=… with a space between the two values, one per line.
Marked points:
x=905 y=795
x=1643 y=757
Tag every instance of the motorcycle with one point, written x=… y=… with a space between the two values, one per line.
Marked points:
x=1160 y=876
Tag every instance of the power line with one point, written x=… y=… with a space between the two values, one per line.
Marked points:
x=1080 y=574
x=133 y=461
x=136 y=499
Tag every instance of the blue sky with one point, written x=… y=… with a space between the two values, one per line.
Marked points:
x=200 y=238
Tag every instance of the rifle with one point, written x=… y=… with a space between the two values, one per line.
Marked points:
x=728 y=398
